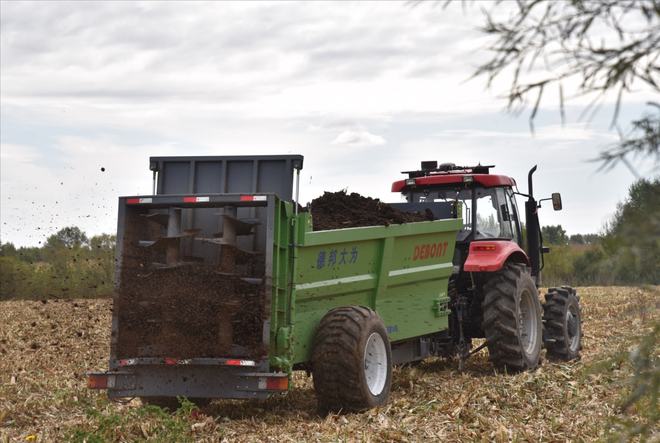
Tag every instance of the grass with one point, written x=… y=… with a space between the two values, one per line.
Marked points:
x=45 y=349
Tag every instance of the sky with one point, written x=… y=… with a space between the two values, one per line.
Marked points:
x=89 y=91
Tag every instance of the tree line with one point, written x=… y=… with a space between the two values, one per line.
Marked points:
x=627 y=252
x=67 y=265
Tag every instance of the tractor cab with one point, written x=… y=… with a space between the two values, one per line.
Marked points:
x=486 y=202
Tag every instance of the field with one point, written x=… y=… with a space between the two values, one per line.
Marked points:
x=46 y=347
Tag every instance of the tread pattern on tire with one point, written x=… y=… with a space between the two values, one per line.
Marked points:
x=337 y=365
x=554 y=312
x=500 y=319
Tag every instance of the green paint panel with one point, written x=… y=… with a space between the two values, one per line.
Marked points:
x=401 y=271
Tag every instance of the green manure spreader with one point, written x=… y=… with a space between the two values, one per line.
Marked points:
x=223 y=288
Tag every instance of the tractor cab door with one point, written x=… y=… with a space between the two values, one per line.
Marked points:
x=497 y=214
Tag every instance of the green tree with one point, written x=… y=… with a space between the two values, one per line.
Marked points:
x=7 y=250
x=103 y=243
x=632 y=239
x=69 y=237
x=554 y=235
x=576 y=239
x=591 y=239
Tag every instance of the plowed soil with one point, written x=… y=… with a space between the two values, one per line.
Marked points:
x=46 y=348
x=337 y=210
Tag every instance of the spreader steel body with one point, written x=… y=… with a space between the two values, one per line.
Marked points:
x=241 y=325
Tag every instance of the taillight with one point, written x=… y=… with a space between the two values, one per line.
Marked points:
x=484 y=247
x=97 y=381
x=277 y=383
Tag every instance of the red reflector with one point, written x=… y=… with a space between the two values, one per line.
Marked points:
x=171 y=361
x=233 y=362
x=277 y=383
x=190 y=199
x=137 y=201
x=97 y=381
x=247 y=198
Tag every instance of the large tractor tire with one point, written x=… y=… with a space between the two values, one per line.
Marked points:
x=351 y=361
x=512 y=319
x=562 y=334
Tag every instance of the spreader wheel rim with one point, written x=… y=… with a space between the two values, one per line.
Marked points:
x=375 y=363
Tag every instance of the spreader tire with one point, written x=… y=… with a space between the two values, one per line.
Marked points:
x=351 y=361
x=562 y=320
x=512 y=319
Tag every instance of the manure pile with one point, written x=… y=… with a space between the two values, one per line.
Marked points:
x=337 y=210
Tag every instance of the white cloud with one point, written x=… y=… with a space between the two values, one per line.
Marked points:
x=358 y=138
x=363 y=90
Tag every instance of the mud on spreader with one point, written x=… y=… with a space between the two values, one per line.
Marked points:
x=223 y=288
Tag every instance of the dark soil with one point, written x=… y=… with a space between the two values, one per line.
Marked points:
x=336 y=210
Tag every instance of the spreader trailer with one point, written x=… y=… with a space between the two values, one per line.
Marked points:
x=223 y=288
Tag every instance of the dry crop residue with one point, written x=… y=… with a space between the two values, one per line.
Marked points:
x=337 y=210
x=45 y=350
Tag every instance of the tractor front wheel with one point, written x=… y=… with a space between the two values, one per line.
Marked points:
x=563 y=324
x=352 y=361
x=512 y=319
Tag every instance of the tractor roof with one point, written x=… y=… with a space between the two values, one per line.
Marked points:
x=448 y=173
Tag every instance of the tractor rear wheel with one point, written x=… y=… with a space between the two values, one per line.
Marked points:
x=512 y=319
x=351 y=360
x=562 y=324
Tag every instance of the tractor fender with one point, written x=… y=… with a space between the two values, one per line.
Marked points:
x=490 y=256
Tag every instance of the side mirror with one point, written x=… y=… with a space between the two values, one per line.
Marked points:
x=556 y=201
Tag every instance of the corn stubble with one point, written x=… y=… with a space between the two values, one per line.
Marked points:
x=45 y=349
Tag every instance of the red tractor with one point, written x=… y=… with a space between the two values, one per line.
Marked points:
x=497 y=268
